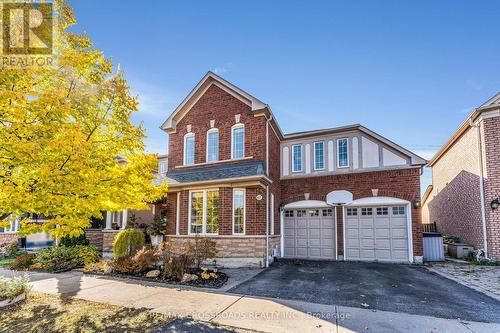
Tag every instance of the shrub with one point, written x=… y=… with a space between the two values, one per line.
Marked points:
x=177 y=266
x=74 y=241
x=145 y=259
x=176 y=260
x=22 y=261
x=127 y=243
x=451 y=239
x=159 y=225
x=86 y=254
x=12 y=287
x=11 y=248
x=202 y=249
x=63 y=257
x=56 y=258
x=103 y=266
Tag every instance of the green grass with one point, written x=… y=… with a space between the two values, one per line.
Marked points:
x=49 y=313
x=5 y=262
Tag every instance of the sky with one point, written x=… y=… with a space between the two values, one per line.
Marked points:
x=409 y=70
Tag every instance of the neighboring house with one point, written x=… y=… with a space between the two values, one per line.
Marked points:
x=465 y=190
x=37 y=240
x=235 y=177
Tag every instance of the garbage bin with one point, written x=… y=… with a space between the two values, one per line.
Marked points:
x=433 y=246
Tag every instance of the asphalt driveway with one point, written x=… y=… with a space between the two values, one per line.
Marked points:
x=387 y=287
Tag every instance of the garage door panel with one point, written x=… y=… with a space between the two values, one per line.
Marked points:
x=398 y=222
x=314 y=224
x=399 y=243
x=301 y=233
x=383 y=222
x=366 y=233
x=328 y=243
x=367 y=243
x=383 y=243
x=310 y=237
x=399 y=233
x=366 y=223
x=377 y=237
x=381 y=254
x=367 y=253
x=352 y=253
x=383 y=232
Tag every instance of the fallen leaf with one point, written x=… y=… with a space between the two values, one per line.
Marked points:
x=365 y=305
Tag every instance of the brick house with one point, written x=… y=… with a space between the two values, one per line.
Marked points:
x=465 y=190
x=234 y=176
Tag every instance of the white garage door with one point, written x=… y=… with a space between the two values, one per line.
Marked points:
x=377 y=233
x=309 y=233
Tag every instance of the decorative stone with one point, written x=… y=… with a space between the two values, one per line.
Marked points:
x=189 y=277
x=10 y=301
x=153 y=274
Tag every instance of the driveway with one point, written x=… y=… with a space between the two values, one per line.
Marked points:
x=387 y=287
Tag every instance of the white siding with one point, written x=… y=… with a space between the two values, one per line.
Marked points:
x=391 y=159
x=370 y=153
x=308 y=158
x=331 y=154
x=355 y=157
x=286 y=161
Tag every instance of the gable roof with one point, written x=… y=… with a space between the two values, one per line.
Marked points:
x=208 y=80
x=490 y=105
x=415 y=159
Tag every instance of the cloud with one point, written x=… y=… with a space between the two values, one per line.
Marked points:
x=223 y=69
x=154 y=100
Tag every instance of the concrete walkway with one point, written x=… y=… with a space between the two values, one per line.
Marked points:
x=260 y=314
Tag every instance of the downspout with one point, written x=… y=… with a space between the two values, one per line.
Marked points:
x=481 y=184
x=267 y=226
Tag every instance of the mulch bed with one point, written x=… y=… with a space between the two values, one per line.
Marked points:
x=200 y=283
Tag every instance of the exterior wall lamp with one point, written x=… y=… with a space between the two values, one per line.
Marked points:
x=495 y=203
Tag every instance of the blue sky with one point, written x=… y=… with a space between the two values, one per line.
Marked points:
x=409 y=70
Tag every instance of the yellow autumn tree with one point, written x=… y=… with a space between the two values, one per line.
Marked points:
x=67 y=146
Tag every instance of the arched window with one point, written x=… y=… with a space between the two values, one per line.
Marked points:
x=238 y=141
x=212 y=145
x=189 y=149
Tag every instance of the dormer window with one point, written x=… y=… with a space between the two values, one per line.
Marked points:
x=213 y=145
x=189 y=149
x=238 y=141
x=162 y=167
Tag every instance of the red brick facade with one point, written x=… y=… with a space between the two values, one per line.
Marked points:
x=6 y=238
x=492 y=183
x=403 y=184
x=262 y=143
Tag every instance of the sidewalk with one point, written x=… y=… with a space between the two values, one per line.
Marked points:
x=265 y=315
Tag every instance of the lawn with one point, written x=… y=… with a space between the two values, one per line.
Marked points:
x=48 y=313
x=5 y=262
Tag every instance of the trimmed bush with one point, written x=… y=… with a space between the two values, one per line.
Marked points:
x=22 y=261
x=86 y=254
x=127 y=243
x=12 y=287
x=145 y=259
x=74 y=241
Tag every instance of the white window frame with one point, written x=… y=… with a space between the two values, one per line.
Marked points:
x=204 y=212
x=338 y=153
x=314 y=155
x=212 y=130
x=301 y=158
x=162 y=167
x=13 y=228
x=237 y=126
x=244 y=211
x=189 y=135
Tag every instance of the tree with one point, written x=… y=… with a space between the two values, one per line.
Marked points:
x=67 y=146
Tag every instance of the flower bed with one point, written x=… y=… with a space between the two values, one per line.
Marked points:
x=165 y=263
x=13 y=290
x=215 y=283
